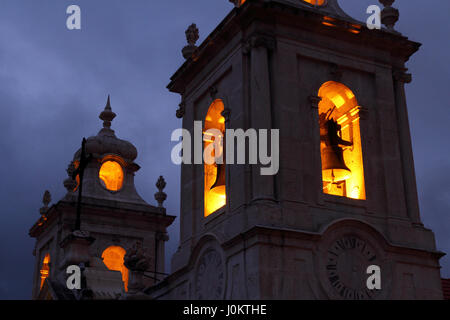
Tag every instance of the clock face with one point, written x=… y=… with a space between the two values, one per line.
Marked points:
x=210 y=278
x=347 y=260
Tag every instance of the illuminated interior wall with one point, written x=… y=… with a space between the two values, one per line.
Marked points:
x=347 y=116
x=45 y=269
x=111 y=175
x=113 y=260
x=216 y=198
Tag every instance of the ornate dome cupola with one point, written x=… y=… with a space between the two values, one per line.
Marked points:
x=110 y=172
x=101 y=218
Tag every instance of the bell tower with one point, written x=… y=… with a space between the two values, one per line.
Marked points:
x=345 y=196
x=102 y=224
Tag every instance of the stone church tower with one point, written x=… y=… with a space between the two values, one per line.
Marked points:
x=119 y=238
x=345 y=195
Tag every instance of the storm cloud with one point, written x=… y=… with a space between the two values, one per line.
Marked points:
x=54 y=83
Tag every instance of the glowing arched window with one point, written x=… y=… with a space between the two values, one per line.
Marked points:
x=45 y=269
x=113 y=260
x=215 y=190
x=111 y=175
x=340 y=142
x=316 y=2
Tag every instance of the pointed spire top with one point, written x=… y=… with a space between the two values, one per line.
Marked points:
x=107 y=115
x=108 y=103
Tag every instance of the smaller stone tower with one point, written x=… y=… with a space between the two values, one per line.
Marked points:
x=118 y=239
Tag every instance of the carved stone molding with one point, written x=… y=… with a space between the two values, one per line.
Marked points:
x=314 y=100
x=402 y=76
x=162 y=237
x=181 y=110
x=136 y=259
x=363 y=112
x=257 y=41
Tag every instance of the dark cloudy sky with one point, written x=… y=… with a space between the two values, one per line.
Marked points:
x=54 y=83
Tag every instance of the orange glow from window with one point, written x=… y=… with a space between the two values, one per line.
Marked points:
x=329 y=21
x=111 y=175
x=45 y=269
x=341 y=182
x=328 y=24
x=113 y=260
x=315 y=2
x=214 y=198
x=77 y=178
x=354 y=28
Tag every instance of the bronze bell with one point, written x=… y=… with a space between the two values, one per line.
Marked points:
x=219 y=184
x=334 y=168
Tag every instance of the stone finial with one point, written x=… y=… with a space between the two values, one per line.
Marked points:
x=107 y=115
x=389 y=15
x=192 y=35
x=46 y=199
x=160 y=196
x=135 y=259
x=70 y=183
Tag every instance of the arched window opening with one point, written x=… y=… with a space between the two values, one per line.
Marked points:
x=111 y=175
x=340 y=142
x=215 y=189
x=45 y=269
x=113 y=260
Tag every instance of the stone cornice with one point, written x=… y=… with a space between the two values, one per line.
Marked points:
x=398 y=46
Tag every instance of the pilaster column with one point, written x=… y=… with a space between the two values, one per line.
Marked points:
x=317 y=160
x=76 y=248
x=161 y=239
x=406 y=152
x=258 y=48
